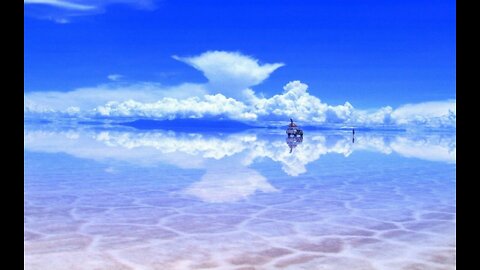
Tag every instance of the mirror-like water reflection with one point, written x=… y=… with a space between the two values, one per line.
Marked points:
x=121 y=198
x=149 y=148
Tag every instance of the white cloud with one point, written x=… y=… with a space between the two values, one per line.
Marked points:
x=85 y=5
x=114 y=77
x=89 y=98
x=61 y=4
x=235 y=73
x=427 y=113
x=63 y=11
x=230 y=73
x=190 y=101
x=171 y=108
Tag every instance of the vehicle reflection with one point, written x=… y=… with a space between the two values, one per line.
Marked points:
x=292 y=142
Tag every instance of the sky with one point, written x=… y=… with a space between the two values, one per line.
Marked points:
x=371 y=54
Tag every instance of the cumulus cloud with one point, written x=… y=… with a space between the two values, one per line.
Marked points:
x=430 y=113
x=230 y=73
x=171 y=108
x=295 y=102
x=235 y=73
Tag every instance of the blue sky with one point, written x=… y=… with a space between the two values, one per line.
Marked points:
x=369 y=53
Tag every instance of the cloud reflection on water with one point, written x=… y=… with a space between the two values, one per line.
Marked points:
x=227 y=159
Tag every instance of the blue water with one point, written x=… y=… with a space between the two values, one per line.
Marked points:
x=117 y=197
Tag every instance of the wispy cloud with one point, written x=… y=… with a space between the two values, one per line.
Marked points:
x=62 y=11
x=227 y=94
x=62 y=20
x=89 y=98
x=61 y=4
x=114 y=77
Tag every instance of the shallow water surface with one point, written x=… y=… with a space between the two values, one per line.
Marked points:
x=120 y=198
